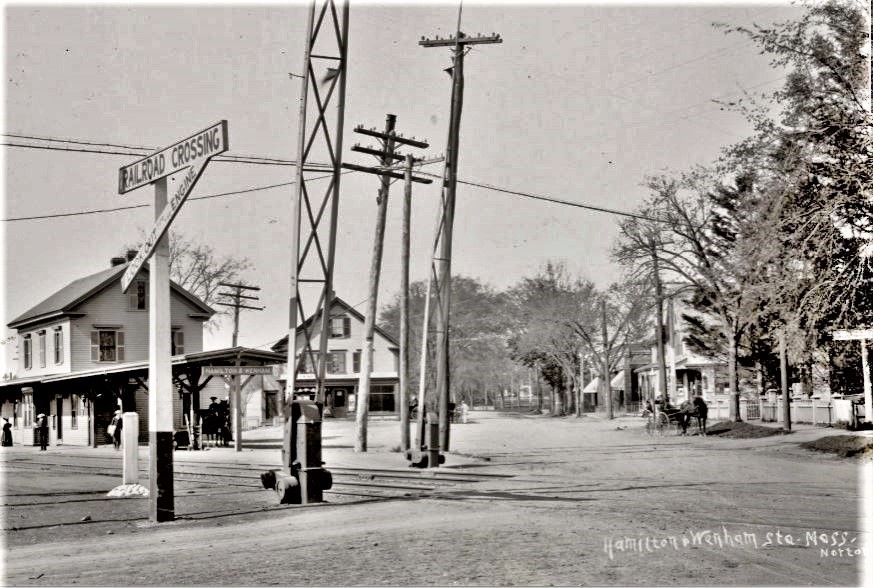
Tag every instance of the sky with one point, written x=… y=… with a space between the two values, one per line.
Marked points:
x=580 y=102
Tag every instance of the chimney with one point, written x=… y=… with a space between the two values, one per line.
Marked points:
x=131 y=253
x=116 y=261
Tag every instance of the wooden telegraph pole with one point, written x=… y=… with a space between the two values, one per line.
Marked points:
x=387 y=156
x=404 y=305
x=659 y=327
x=236 y=298
x=605 y=367
x=783 y=373
x=441 y=263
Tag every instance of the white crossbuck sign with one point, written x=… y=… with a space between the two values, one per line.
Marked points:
x=192 y=153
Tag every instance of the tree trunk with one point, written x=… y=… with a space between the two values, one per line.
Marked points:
x=733 y=390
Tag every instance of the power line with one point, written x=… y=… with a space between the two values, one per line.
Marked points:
x=109 y=149
x=553 y=200
x=283 y=184
x=254 y=160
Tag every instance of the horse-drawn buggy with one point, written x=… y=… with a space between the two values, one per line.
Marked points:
x=660 y=420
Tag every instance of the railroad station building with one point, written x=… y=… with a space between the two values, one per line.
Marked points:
x=83 y=353
x=343 y=366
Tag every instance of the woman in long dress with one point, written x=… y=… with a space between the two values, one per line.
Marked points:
x=7 y=433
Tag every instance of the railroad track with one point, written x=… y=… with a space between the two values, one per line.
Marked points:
x=206 y=477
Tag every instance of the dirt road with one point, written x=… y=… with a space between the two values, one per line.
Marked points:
x=565 y=502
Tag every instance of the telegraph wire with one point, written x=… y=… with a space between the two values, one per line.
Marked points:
x=284 y=184
x=551 y=199
x=141 y=151
x=254 y=160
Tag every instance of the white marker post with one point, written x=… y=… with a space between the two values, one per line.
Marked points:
x=191 y=154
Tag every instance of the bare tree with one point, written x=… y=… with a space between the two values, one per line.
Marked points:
x=199 y=269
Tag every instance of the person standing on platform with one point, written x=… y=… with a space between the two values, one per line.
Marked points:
x=42 y=430
x=115 y=429
x=7 y=433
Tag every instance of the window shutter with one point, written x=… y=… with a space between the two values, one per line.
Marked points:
x=347 y=327
x=95 y=346
x=119 y=345
x=132 y=297
x=178 y=342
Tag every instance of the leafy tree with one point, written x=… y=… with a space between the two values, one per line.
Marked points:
x=813 y=160
x=544 y=339
x=706 y=237
x=479 y=359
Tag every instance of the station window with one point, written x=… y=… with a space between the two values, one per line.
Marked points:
x=177 y=344
x=28 y=352
x=138 y=296
x=107 y=346
x=41 y=336
x=58 y=341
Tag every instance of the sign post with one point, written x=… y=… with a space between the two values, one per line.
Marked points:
x=862 y=335
x=190 y=155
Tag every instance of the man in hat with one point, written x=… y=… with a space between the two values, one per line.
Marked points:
x=43 y=430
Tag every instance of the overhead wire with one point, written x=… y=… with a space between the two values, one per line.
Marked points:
x=122 y=146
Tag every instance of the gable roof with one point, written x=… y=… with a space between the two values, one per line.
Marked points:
x=65 y=300
x=337 y=301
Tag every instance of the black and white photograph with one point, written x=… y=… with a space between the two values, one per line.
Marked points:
x=437 y=293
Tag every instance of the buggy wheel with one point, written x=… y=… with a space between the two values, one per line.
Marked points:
x=662 y=423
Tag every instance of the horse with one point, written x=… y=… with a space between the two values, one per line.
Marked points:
x=701 y=411
x=692 y=408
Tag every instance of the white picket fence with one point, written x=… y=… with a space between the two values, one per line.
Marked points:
x=814 y=412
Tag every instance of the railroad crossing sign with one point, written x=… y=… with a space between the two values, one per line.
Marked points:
x=191 y=156
x=193 y=153
x=237 y=370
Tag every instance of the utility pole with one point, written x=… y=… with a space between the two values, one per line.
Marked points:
x=237 y=297
x=605 y=369
x=441 y=263
x=783 y=373
x=404 y=306
x=659 y=326
x=387 y=155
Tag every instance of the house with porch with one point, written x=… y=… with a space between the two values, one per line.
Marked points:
x=687 y=372
x=343 y=366
x=83 y=353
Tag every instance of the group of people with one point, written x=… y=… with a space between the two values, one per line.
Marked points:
x=216 y=422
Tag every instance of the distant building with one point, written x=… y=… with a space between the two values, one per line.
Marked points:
x=344 y=362
x=626 y=393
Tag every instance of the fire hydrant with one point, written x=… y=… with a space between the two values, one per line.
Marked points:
x=302 y=479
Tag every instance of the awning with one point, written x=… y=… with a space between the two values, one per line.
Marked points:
x=593 y=387
x=617 y=382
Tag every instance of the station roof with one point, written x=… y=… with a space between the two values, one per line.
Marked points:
x=223 y=357
x=64 y=301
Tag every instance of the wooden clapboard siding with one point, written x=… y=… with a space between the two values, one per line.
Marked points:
x=384 y=350
x=50 y=366
x=110 y=307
